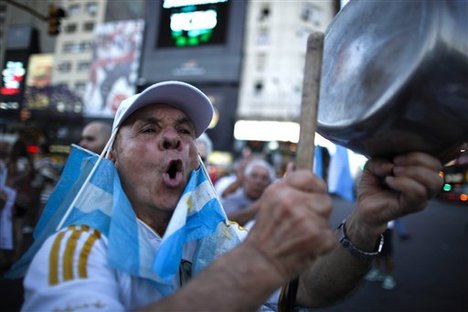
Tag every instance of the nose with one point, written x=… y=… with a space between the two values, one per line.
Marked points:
x=170 y=140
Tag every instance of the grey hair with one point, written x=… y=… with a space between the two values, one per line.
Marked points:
x=262 y=163
x=205 y=140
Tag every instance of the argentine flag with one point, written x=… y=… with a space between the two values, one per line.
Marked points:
x=197 y=215
x=89 y=192
x=340 y=180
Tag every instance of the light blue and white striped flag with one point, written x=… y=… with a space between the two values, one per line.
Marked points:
x=97 y=192
x=197 y=215
x=100 y=202
x=340 y=180
x=318 y=161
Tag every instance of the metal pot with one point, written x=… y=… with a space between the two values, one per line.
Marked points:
x=395 y=77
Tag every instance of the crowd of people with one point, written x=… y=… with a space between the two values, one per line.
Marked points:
x=26 y=182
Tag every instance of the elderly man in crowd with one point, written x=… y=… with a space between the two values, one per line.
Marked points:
x=241 y=206
x=154 y=153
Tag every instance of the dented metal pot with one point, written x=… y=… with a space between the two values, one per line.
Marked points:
x=395 y=77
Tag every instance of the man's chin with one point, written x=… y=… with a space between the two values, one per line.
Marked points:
x=169 y=203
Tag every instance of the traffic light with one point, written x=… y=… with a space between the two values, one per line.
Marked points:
x=55 y=16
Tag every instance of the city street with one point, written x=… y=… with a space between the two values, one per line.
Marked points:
x=431 y=267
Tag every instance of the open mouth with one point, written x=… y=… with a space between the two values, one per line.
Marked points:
x=173 y=176
x=175 y=166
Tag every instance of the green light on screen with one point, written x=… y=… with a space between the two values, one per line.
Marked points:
x=447 y=187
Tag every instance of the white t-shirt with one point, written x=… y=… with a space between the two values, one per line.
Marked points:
x=70 y=273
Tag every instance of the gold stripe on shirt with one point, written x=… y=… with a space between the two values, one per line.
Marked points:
x=53 y=259
x=70 y=252
x=282 y=306
x=83 y=259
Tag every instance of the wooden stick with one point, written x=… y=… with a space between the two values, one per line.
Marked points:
x=306 y=144
x=310 y=99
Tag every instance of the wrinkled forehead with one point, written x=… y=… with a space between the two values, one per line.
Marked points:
x=158 y=111
x=259 y=169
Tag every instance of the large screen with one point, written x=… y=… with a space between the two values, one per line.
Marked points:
x=192 y=23
x=211 y=31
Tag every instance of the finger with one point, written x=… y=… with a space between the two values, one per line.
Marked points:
x=418 y=159
x=311 y=234
x=414 y=193
x=379 y=167
x=296 y=204
x=290 y=167
x=430 y=179
x=306 y=181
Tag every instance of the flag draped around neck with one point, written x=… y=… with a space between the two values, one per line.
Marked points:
x=197 y=215
x=100 y=202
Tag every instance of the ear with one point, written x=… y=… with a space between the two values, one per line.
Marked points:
x=112 y=157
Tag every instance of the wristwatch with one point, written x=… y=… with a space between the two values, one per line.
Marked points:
x=361 y=254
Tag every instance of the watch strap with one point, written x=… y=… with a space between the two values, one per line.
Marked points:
x=349 y=246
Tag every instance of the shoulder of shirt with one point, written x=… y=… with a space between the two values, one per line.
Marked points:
x=67 y=253
x=240 y=231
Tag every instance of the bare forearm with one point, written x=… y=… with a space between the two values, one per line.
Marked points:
x=234 y=186
x=336 y=274
x=229 y=284
x=242 y=216
x=332 y=277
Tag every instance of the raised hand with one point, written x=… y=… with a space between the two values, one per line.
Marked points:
x=292 y=228
x=391 y=189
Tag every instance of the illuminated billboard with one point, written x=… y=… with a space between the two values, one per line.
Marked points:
x=21 y=41
x=13 y=79
x=114 y=68
x=193 y=40
x=44 y=99
x=192 y=23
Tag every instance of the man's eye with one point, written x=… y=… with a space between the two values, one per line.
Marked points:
x=148 y=130
x=185 y=131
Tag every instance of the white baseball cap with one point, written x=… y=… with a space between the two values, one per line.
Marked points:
x=193 y=102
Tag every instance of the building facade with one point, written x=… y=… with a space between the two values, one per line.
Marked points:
x=274 y=57
x=74 y=44
x=253 y=73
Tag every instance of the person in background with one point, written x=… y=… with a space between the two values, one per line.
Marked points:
x=384 y=264
x=205 y=148
x=47 y=175
x=95 y=136
x=154 y=155
x=229 y=184
x=20 y=175
x=7 y=197
x=241 y=206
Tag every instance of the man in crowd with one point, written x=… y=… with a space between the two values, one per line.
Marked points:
x=154 y=152
x=241 y=206
x=230 y=183
x=204 y=147
x=95 y=136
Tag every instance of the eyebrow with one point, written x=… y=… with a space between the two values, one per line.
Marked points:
x=184 y=120
x=179 y=121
